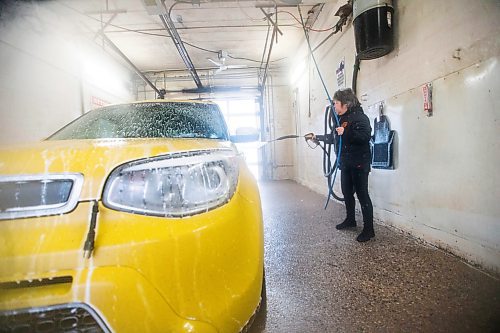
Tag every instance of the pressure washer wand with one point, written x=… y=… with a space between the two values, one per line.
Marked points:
x=329 y=139
x=307 y=137
x=284 y=137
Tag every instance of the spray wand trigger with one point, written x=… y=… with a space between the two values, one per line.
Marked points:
x=310 y=137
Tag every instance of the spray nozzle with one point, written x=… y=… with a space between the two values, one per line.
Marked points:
x=311 y=137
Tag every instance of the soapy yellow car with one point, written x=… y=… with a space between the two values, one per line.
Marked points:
x=138 y=217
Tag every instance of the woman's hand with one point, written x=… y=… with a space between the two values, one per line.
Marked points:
x=340 y=130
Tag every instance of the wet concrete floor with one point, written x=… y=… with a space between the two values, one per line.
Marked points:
x=320 y=279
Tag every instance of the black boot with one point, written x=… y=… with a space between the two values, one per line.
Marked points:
x=348 y=223
x=366 y=234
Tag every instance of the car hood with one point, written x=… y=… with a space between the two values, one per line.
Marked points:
x=94 y=159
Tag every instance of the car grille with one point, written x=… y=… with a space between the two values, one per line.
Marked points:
x=73 y=317
x=38 y=195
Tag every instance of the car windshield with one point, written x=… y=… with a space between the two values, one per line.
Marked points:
x=148 y=120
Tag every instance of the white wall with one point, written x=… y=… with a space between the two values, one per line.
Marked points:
x=445 y=188
x=51 y=72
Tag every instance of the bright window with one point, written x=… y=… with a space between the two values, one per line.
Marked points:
x=243 y=113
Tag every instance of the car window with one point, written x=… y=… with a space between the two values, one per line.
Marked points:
x=148 y=120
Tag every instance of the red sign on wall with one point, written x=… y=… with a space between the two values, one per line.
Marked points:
x=96 y=102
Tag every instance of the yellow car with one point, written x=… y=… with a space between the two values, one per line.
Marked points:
x=138 y=217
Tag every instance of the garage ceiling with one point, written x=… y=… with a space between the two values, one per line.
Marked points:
x=210 y=31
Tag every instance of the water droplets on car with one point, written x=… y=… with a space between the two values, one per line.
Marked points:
x=148 y=120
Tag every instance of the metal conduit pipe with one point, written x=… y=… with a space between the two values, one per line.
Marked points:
x=170 y=26
x=179 y=77
x=121 y=54
x=263 y=84
x=265 y=3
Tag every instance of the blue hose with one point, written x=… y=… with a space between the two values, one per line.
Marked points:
x=328 y=170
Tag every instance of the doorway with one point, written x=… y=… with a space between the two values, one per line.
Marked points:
x=244 y=113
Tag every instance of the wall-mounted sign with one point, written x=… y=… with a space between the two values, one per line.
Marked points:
x=96 y=102
x=341 y=74
x=427 y=93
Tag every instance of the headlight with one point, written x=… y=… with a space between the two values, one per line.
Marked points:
x=174 y=185
x=39 y=195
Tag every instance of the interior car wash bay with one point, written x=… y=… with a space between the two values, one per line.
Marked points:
x=159 y=168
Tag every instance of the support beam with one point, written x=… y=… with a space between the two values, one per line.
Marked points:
x=268 y=17
x=264 y=77
x=120 y=53
x=108 y=22
x=169 y=25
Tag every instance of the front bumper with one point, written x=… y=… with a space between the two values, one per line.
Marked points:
x=55 y=318
x=147 y=274
x=119 y=298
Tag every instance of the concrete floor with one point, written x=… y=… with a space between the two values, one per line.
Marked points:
x=321 y=280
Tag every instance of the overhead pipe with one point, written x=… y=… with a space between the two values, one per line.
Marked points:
x=208 y=90
x=258 y=3
x=268 y=17
x=264 y=77
x=121 y=54
x=264 y=52
x=106 y=24
x=170 y=26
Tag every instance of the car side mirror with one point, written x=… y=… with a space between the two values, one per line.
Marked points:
x=245 y=134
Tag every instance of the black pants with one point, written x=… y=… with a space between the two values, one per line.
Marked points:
x=356 y=181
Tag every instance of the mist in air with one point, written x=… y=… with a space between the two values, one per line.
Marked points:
x=53 y=67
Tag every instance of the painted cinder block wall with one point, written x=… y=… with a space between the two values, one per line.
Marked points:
x=52 y=71
x=446 y=187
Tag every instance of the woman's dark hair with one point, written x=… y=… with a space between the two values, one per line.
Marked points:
x=346 y=96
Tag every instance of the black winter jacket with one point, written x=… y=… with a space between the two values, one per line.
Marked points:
x=355 y=140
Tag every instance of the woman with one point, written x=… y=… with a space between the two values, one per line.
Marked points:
x=355 y=132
